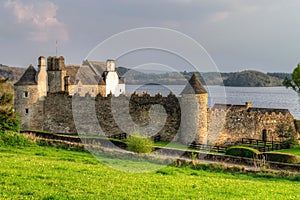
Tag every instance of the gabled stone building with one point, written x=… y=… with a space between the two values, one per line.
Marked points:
x=55 y=76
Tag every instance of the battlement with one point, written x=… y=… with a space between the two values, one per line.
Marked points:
x=55 y=63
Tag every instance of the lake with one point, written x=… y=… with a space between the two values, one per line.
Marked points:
x=264 y=97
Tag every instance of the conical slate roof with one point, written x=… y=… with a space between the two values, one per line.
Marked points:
x=194 y=86
x=28 y=77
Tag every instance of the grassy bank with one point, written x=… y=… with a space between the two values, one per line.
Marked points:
x=50 y=173
x=295 y=150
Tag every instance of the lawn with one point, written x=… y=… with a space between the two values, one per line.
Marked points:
x=49 y=173
x=295 y=150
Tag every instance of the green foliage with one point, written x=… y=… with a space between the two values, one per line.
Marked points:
x=139 y=144
x=10 y=138
x=287 y=135
x=250 y=79
x=293 y=83
x=242 y=151
x=8 y=119
x=6 y=99
x=281 y=157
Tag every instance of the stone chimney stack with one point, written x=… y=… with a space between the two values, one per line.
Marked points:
x=42 y=78
x=248 y=104
x=110 y=65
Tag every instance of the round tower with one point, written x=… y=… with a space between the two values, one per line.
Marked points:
x=194 y=102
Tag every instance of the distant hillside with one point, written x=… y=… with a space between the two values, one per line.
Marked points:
x=250 y=79
x=243 y=79
x=280 y=75
x=14 y=73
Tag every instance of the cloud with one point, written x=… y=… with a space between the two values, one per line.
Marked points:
x=40 y=18
x=219 y=16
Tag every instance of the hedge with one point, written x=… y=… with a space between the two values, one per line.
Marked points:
x=242 y=151
x=281 y=157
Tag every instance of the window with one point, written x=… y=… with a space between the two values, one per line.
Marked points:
x=79 y=89
x=25 y=94
x=26 y=110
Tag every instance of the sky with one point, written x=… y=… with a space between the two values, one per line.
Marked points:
x=259 y=35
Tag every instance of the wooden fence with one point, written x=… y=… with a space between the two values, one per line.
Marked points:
x=262 y=145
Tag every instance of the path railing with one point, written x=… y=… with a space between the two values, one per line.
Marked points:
x=262 y=145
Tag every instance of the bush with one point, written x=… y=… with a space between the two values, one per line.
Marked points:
x=281 y=157
x=9 y=120
x=10 y=138
x=242 y=152
x=137 y=143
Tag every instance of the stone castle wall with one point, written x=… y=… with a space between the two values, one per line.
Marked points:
x=109 y=115
x=151 y=115
x=228 y=127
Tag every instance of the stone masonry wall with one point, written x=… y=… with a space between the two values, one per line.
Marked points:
x=155 y=115
x=109 y=115
x=227 y=127
x=30 y=109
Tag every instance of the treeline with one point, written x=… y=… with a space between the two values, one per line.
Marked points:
x=251 y=79
x=248 y=78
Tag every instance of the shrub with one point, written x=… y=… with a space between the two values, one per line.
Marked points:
x=137 y=143
x=10 y=138
x=281 y=157
x=242 y=152
x=8 y=120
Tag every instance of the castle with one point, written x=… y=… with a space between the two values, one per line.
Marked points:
x=44 y=100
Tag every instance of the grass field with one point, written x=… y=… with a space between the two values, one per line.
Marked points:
x=49 y=173
x=295 y=150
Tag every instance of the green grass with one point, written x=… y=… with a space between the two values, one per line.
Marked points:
x=295 y=150
x=48 y=173
x=174 y=145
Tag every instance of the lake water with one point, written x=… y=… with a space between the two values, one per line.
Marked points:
x=264 y=97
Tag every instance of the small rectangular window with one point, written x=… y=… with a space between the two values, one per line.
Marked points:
x=25 y=94
x=79 y=89
x=26 y=110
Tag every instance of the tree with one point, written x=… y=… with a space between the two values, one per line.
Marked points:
x=8 y=118
x=293 y=83
x=287 y=134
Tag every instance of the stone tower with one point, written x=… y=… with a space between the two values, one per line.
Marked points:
x=194 y=102
x=56 y=74
x=28 y=103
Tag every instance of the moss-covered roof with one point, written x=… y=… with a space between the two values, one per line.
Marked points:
x=28 y=77
x=194 y=86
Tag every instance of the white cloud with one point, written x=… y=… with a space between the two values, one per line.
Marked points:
x=219 y=16
x=40 y=17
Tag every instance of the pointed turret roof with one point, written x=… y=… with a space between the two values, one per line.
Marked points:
x=28 y=77
x=194 y=86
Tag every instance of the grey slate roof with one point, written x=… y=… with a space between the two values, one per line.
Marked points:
x=194 y=86
x=28 y=77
